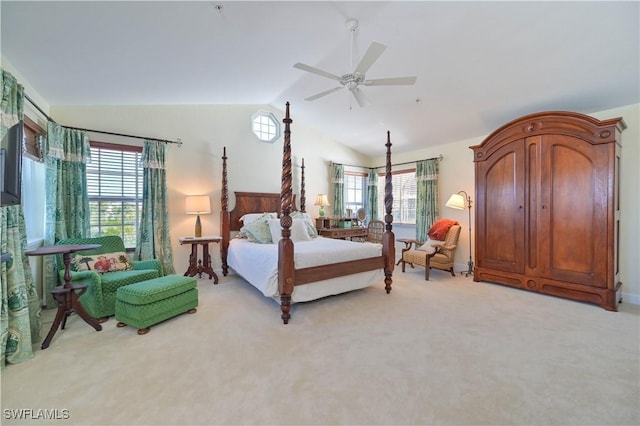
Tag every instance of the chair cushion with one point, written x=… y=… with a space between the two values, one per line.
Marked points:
x=417 y=257
x=150 y=291
x=114 y=280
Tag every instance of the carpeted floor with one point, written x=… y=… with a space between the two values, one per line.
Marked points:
x=444 y=352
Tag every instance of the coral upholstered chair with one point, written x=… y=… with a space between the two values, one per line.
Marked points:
x=433 y=253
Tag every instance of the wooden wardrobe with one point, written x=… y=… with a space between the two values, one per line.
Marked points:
x=547 y=206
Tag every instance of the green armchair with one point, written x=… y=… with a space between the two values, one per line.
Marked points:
x=100 y=298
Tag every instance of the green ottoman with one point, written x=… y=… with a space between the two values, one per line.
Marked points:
x=146 y=303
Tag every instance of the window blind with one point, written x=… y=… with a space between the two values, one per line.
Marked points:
x=114 y=185
x=404 y=196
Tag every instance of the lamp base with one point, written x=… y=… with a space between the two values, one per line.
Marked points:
x=321 y=212
x=198 y=232
x=470 y=270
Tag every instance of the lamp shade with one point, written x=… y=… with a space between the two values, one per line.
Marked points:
x=456 y=201
x=321 y=200
x=197 y=204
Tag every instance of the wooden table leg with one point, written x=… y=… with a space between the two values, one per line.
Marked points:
x=206 y=260
x=67 y=299
x=193 y=261
x=61 y=297
x=79 y=309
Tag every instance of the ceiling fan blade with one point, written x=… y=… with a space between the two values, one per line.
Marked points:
x=311 y=69
x=325 y=93
x=396 y=81
x=361 y=99
x=372 y=55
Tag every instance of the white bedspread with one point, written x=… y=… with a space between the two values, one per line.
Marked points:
x=258 y=264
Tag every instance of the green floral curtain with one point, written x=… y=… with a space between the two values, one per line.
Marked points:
x=337 y=181
x=20 y=313
x=67 y=205
x=153 y=236
x=372 y=195
x=427 y=197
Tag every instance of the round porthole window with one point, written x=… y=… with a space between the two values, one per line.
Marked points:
x=265 y=126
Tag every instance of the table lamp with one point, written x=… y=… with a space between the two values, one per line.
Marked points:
x=198 y=204
x=322 y=201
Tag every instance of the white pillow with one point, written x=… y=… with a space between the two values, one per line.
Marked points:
x=249 y=218
x=428 y=245
x=311 y=228
x=298 y=230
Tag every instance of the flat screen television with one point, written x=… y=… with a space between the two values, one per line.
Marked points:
x=11 y=166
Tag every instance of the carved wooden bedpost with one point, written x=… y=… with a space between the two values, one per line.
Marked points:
x=285 y=246
x=388 y=239
x=225 y=221
x=303 y=197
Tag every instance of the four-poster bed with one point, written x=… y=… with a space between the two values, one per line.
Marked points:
x=317 y=267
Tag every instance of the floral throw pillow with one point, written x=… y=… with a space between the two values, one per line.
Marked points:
x=257 y=231
x=104 y=262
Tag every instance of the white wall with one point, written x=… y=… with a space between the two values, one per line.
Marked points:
x=195 y=168
x=457 y=173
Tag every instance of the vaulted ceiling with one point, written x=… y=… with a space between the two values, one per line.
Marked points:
x=478 y=64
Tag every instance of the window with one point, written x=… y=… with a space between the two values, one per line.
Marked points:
x=404 y=196
x=33 y=197
x=33 y=180
x=114 y=185
x=354 y=190
x=265 y=126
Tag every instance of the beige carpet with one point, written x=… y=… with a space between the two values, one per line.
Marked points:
x=447 y=351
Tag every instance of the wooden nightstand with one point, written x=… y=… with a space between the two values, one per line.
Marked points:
x=203 y=265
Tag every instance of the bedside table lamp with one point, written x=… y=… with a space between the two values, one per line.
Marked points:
x=198 y=204
x=322 y=201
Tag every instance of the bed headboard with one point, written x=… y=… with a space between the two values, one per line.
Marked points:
x=254 y=202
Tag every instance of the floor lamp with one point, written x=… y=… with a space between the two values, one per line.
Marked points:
x=457 y=201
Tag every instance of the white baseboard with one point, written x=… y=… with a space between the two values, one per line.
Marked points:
x=630 y=298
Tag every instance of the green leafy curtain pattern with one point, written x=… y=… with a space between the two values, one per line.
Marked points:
x=372 y=194
x=427 y=198
x=67 y=204
x=153 y=236
x=337 y=182
x=20 y=313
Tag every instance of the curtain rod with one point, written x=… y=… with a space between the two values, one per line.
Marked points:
x=178 y=141
x=439 y=158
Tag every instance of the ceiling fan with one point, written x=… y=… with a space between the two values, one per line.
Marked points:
x=352 y=81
